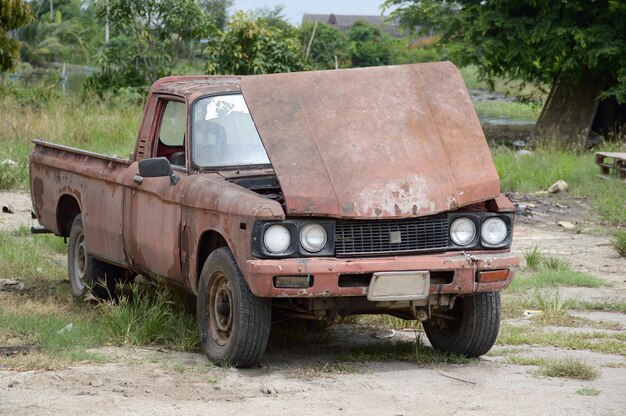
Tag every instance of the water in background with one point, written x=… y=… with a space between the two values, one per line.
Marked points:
x=68 y=78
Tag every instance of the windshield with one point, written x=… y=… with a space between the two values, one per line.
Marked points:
x=223 y=134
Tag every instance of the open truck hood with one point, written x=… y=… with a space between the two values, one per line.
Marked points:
x=382 y=142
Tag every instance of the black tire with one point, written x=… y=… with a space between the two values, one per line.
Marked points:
x=234 y=324
x=470 y=328
x=85 y=272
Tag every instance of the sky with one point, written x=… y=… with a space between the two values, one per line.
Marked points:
x=294 y=9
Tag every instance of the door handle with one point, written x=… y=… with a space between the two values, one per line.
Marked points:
x=138 y=179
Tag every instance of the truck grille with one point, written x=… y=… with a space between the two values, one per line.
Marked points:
x=362 y=238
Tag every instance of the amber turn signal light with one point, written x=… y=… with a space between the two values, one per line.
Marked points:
x=492 y=276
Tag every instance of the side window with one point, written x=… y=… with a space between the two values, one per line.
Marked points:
x=171 y=137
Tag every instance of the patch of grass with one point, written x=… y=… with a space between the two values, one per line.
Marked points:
x=546 y=165
x=533 y=257
x=618 y=242
x=408 y=351
x=597 y=341
x=615 y=365
x=553 y=278
x=511 y=110
x=501 y=352
x=568 y=368
x=318 y=370
x=588 y=391
x=554 y=306
x=603 y=306
x=148 y=318
x=556 y=264
x=105 y=127
x=522 y=360
x=28 y=257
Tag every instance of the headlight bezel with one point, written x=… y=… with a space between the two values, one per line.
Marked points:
x=306 y=245
x=295 y=248
x=478 y=218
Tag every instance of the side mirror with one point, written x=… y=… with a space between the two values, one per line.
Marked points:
x=157 y=167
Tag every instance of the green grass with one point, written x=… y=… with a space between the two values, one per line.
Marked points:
x=384 y=321
x=597 y=341
x=553 y=278
x=542 y=168
x=318 y=370
x=560 y=367
x=618 y=242
x=533 y=258
x=568 y=368
x=588 y=391
x=109 y=128
x=148 y=317
x=27 y=257
x=510 y=110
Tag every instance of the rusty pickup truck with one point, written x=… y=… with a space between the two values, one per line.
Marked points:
x=318 y=194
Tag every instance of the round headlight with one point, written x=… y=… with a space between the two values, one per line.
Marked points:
x=493 y=231
x=313 y=237
x=277 y=239
x=462 y=231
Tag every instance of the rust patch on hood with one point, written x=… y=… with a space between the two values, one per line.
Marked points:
x=393 y=141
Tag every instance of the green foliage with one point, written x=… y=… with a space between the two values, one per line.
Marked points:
x=149 y=317
x=13 y=15
x=71 y=34
x=547 y=164
x=218 y=10
x=327 y=43
x=530 y=41
x=369 y=46
x=619 y=243
x=251 y=46
x=568 y=368
x=150 y=39
x=533 y=257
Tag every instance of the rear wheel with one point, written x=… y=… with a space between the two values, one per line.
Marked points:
x=234 y=324
x=87 y=273
x=470 y=328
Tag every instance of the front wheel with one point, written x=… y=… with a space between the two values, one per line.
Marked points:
x=234 y=324
x=470 y=328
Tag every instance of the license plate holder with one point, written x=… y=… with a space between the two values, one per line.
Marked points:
x=395 y=286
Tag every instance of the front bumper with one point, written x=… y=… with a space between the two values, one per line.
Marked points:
x=325 y=272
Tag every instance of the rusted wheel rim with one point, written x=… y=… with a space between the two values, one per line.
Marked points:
x=80 y=261
x=220 y=310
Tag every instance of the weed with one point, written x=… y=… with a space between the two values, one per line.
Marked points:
x=520 y=360
x=533 y=257
x=588 y=391
x=597 y=341
x=145 y=318
x=605 y=306
x=556 y=264
x=552 y=278
x=568 y=368
x=554 y=307
x=619 y=243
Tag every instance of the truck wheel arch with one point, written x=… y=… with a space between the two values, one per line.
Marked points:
x=209 y=241
x=67 y=209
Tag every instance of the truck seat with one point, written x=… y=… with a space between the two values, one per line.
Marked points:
x=177 y=159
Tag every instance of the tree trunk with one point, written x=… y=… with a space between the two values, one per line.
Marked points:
x=568 y=114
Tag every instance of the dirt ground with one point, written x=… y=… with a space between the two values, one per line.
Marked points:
x=143 y=381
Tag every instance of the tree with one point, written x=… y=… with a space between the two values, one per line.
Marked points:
x=13 y=15
x=328 y=46
x=149 y=40
x=369 y=46
x=250 y=46
x=571 y=46
x=218 y=10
